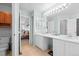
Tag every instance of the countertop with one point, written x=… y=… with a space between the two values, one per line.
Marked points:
x=74 y=39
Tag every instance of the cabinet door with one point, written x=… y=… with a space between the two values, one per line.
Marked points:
x=7 y=18
x=71 y=49
x=58 y=47
x=1 y=17
x=41 y=42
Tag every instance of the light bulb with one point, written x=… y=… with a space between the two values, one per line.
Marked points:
x=57 y=9
x=53 y=11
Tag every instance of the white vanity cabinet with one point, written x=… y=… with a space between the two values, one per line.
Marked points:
x=71 y=49
x=41 y=42
x=58 y=47
x=65 y=48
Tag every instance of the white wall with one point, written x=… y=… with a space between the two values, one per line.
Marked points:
x=5 y=8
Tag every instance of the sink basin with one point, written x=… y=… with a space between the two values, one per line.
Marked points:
x=72 y=37
x=69 y=37
x=55 y=34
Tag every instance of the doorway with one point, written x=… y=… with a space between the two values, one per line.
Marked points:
x=24 y=29
x=27 y=17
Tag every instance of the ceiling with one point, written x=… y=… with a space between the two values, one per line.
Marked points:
x=71 y=10
x=29 y=7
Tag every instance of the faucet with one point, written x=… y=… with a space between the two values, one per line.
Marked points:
x=70 y=35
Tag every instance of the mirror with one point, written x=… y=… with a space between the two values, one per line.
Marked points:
x=63 y=27
x=53 y=25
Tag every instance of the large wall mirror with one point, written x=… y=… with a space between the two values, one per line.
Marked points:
x=65 y=22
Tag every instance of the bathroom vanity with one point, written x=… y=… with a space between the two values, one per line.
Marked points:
x=67 y=42
x=63 y=45
x=65 y=48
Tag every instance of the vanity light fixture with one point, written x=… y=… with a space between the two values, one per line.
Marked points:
x=57 y=9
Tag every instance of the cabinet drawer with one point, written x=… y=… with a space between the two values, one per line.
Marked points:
x=4 y=45
x=4 y=40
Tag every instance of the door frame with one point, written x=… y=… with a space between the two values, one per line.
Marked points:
x=16 y=41
x=31 y=31
x=15 y=29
